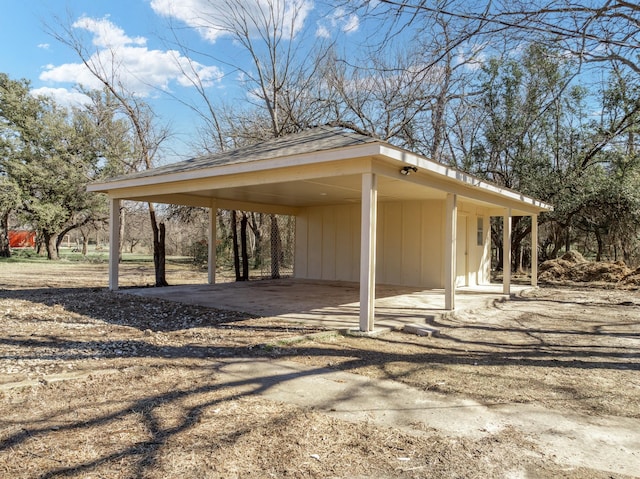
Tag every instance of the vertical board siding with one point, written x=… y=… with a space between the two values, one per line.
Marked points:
x=354 y=212
x=344 y=250
x=329 y=251
x=486 y=254
x=315 y=251
x=300 y=266
x=391 y=271
x=410 y=244
x=462 y=251
x=432 y=225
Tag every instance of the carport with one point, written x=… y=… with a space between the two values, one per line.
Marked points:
x=366 y=211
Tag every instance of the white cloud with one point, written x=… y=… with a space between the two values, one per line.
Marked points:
x=216 y=18
x=106 y=34
x=350 y=24
x=75 y=73
x=44 y=46
x=340 y=20
x=62 y=96
x=323 y=32
x=130 y=61
x=473 y=57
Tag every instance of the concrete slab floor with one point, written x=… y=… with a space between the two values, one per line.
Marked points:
x=328 y=304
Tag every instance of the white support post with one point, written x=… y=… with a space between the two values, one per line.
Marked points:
x=211 y=242
x=114 y=243
x=506 y=252
x=368 y=251
x=534 y=250
x=450 y=252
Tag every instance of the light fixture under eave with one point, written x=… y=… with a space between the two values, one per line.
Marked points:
x=407 y=170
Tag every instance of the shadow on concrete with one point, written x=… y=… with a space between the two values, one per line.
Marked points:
x=327 y=304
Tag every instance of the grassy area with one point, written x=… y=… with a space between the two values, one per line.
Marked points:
x=135 y=269
x=67 y=254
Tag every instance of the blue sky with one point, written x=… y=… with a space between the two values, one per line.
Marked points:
x=138 y=30
x=28 y=49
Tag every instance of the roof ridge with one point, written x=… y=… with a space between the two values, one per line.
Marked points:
x=350 y=133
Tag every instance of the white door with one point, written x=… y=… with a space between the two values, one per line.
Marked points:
x=462 y=243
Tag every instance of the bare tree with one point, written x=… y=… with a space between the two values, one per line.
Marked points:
x=275 y=70
x=592 y=30
x=409 y=88
x=105 y=66
x=277 y=77
x=267 y=33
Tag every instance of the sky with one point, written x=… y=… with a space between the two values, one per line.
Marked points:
x=139 y=31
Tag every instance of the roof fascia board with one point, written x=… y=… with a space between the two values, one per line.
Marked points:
x=172 y=199
x=514 y=212
x=465 y=184
x=471 y=191
x=280 y=163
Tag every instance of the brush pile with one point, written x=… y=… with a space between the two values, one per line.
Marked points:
x=573 y=267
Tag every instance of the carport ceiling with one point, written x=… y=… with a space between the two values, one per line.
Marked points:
x=322 y=191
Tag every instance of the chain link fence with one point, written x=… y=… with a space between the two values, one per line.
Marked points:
x=255 y=245
x=276 y=253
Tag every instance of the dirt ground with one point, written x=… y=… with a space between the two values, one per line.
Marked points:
x=95 y=384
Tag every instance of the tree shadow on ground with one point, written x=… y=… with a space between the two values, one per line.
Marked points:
x=587 y=346
x=127 y=310
x=144 y=454
x=536 y=347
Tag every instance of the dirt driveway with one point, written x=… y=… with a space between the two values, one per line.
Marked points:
x=95 y=384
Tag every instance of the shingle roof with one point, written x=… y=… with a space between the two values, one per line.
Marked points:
x=313 y=146
x=322 y=138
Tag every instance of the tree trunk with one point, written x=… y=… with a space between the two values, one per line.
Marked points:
x=600 y=244
x=276 y=247
x=40 y=249
x=85 y=245
x=50 y=241
x=520 y=259
x=243 y=245
x=5 y=247
x=222 y=227
x=557 y=242
x=496 y=239
x=236 y=254
x=158 y=248
x=257 y=250
x=162 y=253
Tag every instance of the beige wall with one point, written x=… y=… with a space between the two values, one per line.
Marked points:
x=410 y=244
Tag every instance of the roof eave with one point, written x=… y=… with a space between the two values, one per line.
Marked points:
x=350 y=152
x=374 y=149
x=454 y=175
